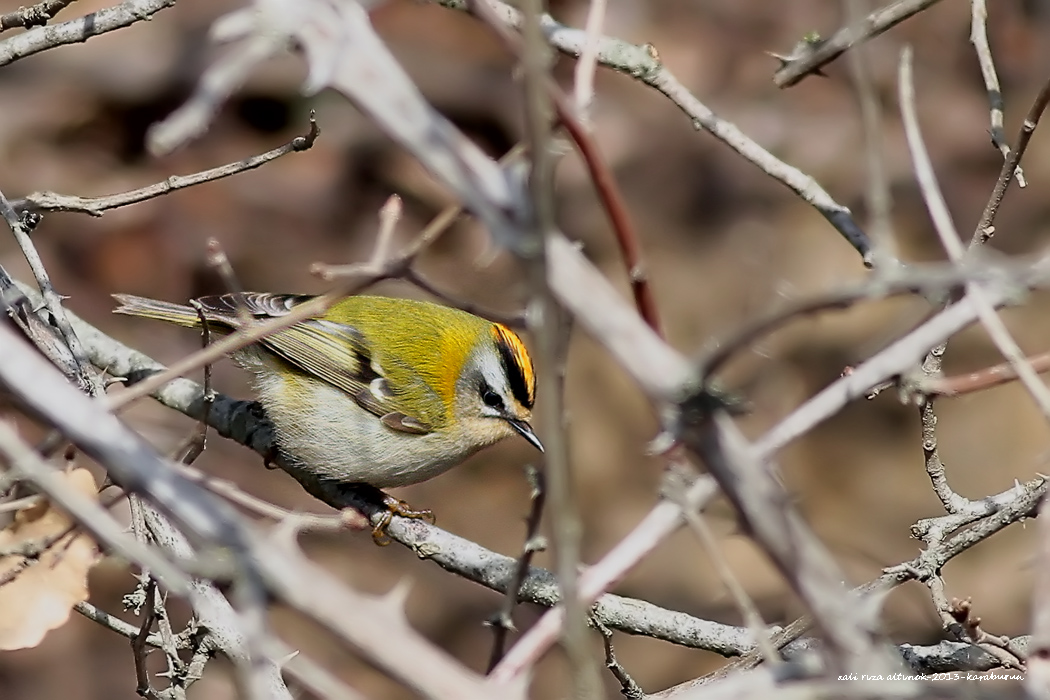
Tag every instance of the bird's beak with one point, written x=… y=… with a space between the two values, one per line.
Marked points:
x=525 y=430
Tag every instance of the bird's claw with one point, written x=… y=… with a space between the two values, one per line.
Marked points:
x=395 y=506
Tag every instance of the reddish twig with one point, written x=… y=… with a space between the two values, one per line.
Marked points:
x=609 y=194
x=604 y=183
x=981 y=379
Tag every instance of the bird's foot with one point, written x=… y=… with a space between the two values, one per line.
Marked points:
x=395 y=506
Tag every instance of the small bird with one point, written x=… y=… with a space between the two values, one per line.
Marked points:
x=380 y=391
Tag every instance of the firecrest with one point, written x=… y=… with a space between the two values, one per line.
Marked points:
x=381 y=391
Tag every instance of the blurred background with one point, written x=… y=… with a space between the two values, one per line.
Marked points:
x=722 y=241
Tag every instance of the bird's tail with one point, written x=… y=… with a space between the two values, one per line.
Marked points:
x=178 y=314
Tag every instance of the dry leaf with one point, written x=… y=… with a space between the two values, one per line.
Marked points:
x=38 y=594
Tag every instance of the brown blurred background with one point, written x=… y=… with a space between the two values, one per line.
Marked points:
x=723 y=243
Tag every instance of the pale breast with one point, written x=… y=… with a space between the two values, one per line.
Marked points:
x=329 y=435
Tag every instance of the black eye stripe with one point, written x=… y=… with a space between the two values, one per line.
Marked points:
x=516 y=364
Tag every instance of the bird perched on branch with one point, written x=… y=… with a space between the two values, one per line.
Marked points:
x=380 y=391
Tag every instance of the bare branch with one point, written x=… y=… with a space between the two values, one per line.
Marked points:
x=85 y=378
x=780 y=531
x=34 y=15
x=979 y=39
x=826 y=51
x=95 y=206
x=1038 y=682
x=981 y=379
x=502 y=622
x=877 y=194
x=79 y=30
x=588 y=63
x=91 y=516
x=953 y=246
x=986 y=226
x=641 y=63
x=896 y=359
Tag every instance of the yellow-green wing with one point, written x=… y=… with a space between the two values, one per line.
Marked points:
x=339 y=355
x=333 y=352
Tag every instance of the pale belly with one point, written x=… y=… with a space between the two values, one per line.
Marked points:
x=330 y=436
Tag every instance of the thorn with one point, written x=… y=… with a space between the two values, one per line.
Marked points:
x=536 y=544
x=661 y=444
x=398 y=596
x=502 y=621
x=285 y=659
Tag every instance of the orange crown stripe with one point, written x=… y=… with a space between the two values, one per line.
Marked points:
x=518 y=364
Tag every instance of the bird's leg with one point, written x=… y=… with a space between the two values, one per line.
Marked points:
x=395 y=506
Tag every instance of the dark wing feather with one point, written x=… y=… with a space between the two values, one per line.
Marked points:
x=228 y=307
x=330 y=351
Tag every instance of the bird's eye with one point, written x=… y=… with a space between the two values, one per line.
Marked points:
x=490 y=398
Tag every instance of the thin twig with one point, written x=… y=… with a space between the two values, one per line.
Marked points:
x=138 y=645
x=414 y=277
x=588 y=63
x=642 y=63
x=96 y=206
x=79 y=30
x=826 y=51
x=942 y=220
x=877 y=194
x=345 y=519
x=612 y=200
x=981 y=379
x=628 y=687
x=114 y=624
x=549 y=326
x=86 y=379
x=745 y=605
x=197 y=442
x=218 y=260
x=979 y=39
x=502 y=622
x=986 y=225
x=36 y=15
x=389 y=216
